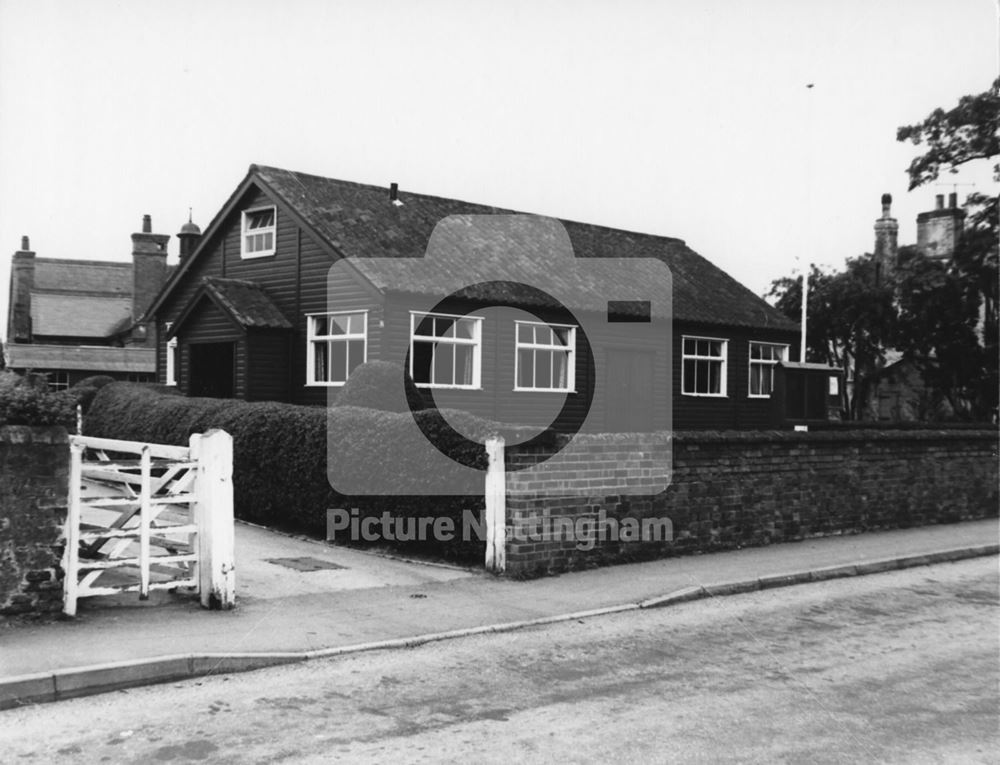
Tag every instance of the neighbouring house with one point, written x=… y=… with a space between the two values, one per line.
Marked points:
x=69 y=319
x=247 y=315
x=900 y=394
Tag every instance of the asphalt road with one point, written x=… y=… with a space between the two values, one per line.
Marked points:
x=897 y=667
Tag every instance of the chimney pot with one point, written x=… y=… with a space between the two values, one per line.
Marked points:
x=147 y=224
x=393 y=191
x=953 y=199
x=939 y=201
x=25 y=244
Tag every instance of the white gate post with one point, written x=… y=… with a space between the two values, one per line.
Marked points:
x=145 y=518
x=214 y=515
x=71 y=554
x=496 y=506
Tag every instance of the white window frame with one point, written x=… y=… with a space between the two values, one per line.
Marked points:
x=58 y=380
x=170 y=375
x=476 y=342
x=569 y=350
x=723 y=360
x=272 y=230
x=312 y=340
x=772 y=363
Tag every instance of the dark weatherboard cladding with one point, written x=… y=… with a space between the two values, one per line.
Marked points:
x=255 y=291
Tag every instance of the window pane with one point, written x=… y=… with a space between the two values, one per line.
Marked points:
x=340 y=324
x=688 y=346
x=444 y=327
x=543 y=369
x=320 y=362
x=559 y=366
x=444 y=359
x=561 y=336
x=338 y=357
x=467 y=329
x=525 y=368
x=422 y=353
x=260 y=219
x=714 y=378
x=356 y=324
x=689 y=373
x=755 y=351
x=766 y=380
x=755 y=384
x=355 y=354
x=425 y=326
x=524 y=333
x=463 y=364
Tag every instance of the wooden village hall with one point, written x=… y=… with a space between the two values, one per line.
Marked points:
x=246 y=314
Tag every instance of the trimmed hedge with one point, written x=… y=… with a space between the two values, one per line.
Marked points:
x=27 y=400
x=375 y=385
x=87 y=388
x=280 y=454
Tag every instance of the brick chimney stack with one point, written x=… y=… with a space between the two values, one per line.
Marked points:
x=22 y=281
x=940 y=230
x=886 y=239
x=149 y=266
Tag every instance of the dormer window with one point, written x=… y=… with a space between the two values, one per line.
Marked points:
x=259 y=232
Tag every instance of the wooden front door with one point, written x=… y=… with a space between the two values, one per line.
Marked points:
x=213 y=370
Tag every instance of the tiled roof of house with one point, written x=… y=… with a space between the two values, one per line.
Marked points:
x=92 y=276
x=84 y=358
x=247 y=303
x=68 y=315
x=361 y=221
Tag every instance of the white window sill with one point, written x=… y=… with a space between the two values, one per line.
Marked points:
x=253 y=255
x=326 y=384
x=544 y=390
x=429 y=386
x=705 y=395
x=758 y=395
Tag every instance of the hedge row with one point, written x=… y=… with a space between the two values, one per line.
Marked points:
x=27 y=400
x=280 y=454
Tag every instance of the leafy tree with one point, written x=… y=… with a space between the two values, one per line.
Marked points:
x=936 y=331
x=969 y=132
x=851 y=322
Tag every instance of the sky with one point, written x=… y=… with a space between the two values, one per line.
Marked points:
x=691 y=120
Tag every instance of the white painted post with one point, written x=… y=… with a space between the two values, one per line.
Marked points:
x=214 y=512
x=145 y=513
x=194 y=540
x=71 y=554
x=496 y=506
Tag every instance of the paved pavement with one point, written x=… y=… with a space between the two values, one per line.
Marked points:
x=287 y=614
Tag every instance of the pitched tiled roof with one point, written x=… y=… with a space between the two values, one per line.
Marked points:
x=361 y=221
x=70 y=315
x=85 y=358
x=92 y=276
x=246 y=302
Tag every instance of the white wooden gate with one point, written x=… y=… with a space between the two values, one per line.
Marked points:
x=148 y=517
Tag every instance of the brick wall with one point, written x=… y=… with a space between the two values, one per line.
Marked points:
x=738 y=489
x=34 y=467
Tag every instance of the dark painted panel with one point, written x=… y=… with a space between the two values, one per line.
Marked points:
x=267 y=365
